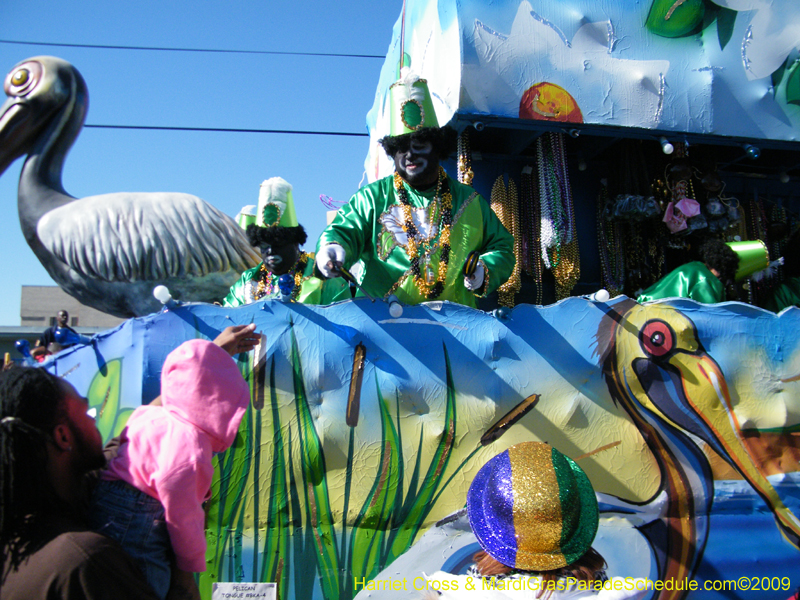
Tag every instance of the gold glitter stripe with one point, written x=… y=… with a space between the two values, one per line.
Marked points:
x=537 y=508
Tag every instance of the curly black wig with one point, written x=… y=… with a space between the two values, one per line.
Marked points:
x=719 y=256
x=444 y=140
x=275 y=235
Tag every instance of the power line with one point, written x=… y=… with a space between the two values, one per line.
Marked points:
x=209 y=50
x=228 y=130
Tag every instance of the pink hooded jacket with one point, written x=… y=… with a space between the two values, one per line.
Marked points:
x=166 y=451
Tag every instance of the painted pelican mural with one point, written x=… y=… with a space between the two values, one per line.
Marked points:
x=656 y=368
x=108 y=251
x=360 y=439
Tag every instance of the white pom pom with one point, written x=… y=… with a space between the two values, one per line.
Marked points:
x=161 y=293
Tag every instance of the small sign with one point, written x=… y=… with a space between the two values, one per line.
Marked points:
x=241 y=591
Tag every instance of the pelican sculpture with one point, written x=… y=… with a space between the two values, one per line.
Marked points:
x=108 y=251
x=656 y=368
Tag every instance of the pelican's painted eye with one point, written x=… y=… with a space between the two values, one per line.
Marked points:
x=657 y=338
x=22 y=79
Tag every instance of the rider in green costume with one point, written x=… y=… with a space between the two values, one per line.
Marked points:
x=414 y=230
x=693 y=280
x=705 y=281
x=278 y=236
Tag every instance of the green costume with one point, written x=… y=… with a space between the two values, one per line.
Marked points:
x=370 y=229
x=692 y=280
x=788 y=294
x=312 y=290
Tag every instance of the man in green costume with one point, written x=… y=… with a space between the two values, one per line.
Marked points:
x=704 y=281
x=788 y=293
x=413 y=231
x=278 y=236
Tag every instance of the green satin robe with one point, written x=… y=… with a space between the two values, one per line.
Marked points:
x=369 y=228
x=692 y=280
x=788 y=294
x=312 y=290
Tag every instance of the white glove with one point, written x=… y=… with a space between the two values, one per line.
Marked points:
x=330 y=253
x=476 y=280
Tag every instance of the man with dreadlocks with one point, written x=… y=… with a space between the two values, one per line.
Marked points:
x=278 y=237
x=417 y=230
x=48 y=443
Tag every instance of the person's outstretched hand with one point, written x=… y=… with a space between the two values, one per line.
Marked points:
x=238 y=338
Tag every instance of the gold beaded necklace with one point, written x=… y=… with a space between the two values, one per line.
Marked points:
x=265 y=282
x=465 y=173
x=505 y=205
x=429 y=290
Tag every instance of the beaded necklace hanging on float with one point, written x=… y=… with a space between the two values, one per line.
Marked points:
x=757 y=229
x=530 y=219
x=266 y=287
x=428 y=284
x=505 y=205
x=559 y=242
x=465 y=173
x=609 y=245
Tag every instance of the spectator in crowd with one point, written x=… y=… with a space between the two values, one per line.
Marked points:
x=150 y=497
x=48 y=444
x=48 y=345
x=50 y=451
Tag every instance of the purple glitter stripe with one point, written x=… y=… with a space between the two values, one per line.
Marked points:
x=506 y=550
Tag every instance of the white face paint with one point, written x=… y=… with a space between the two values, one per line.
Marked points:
x=418 y=164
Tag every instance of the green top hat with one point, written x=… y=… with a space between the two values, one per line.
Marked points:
x=246 y=216
x=275 y=204
x=753 y=257
x=411 y=105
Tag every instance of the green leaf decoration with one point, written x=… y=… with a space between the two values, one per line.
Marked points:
x=318 y=508
x=122 y=420
x=386 y=244
x=726 y=20
x=104 y=396
x=674 y=18
x=793 y=84
x=227 y=498
x=421 y=504
x=275 y=558
x=371 y=525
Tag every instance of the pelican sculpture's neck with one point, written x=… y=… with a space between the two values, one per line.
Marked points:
x=40 y=188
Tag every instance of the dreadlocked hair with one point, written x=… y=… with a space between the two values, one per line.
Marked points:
x=31 y=405
x=443 y=139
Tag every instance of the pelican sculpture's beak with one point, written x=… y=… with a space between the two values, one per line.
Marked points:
x=14 y=141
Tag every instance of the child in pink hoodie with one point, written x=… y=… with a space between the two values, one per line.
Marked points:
x=150 y=496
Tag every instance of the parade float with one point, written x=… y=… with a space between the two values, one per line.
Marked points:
x=367 y=424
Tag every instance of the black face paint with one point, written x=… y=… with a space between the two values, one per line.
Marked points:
x=279 y=259
x=417 y=164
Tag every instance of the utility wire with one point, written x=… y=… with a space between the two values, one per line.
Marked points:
x=228 y=130
x=210 y=50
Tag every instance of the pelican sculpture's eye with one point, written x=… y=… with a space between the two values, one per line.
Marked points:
x=23 y=79
x=20 y=77
x=657 y=338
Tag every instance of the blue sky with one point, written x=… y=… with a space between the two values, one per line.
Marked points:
x=206 y=90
